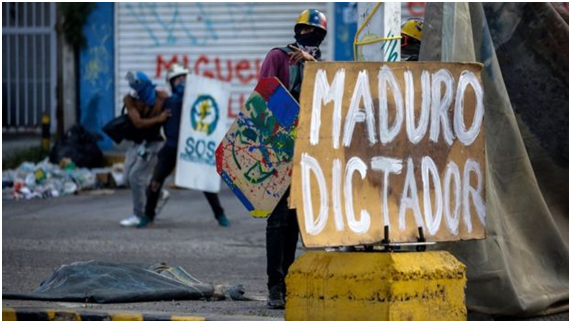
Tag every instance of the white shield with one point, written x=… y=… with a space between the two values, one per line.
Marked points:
x=203 y=125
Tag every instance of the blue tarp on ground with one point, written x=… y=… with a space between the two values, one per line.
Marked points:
x=105 y=282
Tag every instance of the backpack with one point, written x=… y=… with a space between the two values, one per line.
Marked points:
x=295 y=75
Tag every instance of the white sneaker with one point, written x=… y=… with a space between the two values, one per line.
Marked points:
x=163 y=199
x=131 y=221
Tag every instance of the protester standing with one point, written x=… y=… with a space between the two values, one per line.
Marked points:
x=144 y=106
x=411 y=32
x=167 y=157
x=287 y=63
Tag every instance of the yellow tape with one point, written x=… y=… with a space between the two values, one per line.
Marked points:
x=8 y=314
x=127 y=317
x=187 y=318
x=361 y=28
x=371 y=41
x=376 y=40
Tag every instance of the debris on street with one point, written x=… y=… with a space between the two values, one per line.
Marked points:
x=106 y=282
x=46 y=180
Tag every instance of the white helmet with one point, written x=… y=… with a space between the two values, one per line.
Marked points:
x=174 y=71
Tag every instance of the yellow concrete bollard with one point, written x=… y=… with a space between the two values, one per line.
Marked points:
x=381 y=286
x=45 y=132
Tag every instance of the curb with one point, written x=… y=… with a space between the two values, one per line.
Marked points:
x=36 y=314
x=43 y=314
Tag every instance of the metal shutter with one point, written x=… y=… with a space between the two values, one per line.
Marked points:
x=225 y=40
x=29 y=76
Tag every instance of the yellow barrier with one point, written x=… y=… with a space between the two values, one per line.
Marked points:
x=8 y=314
x=376 y=286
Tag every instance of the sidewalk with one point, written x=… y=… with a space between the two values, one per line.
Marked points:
x=44 y=314
x=13 y=143
x=38 y=236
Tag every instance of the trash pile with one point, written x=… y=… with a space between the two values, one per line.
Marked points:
x=80 y=146
x=45 y=180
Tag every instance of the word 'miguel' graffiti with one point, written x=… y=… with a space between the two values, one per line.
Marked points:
x=237 y=70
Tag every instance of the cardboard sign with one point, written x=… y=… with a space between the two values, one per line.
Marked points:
x=397 y=144
x=255 y=157
x=202 y=127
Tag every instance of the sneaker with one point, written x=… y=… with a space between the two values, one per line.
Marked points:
x=145 y=222
x=276 y=298
x=163 y=199
x=223 y=221
x=131 y=221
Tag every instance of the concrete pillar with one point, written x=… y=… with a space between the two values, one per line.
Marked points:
x=69 y=87
x=384 y=22
x=67 y=83
x=377 y=286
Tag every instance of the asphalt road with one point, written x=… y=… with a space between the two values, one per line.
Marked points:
x=38 y=236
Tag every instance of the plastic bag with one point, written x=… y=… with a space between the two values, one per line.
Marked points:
x=80 y=146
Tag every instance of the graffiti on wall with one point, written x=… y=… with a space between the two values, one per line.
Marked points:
x=96 y=82
x=244 y=71
x=413 y=9
x=388 y=47
x=224 y=41
x=167 y=26
x=148 y=16
x=97 y=68
x=241 y=71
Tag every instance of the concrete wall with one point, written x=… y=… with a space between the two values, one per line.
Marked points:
x=97 y=60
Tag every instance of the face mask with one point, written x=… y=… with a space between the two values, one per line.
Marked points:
x=143 y=86
x=310 y=39
x=179 y=89
x=409 y=58
x=148 y=95
x=410 y=52
x=312 y=50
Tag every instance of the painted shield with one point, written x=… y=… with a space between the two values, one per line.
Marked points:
x=255 y=157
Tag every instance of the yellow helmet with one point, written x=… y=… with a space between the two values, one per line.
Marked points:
x=412 y=28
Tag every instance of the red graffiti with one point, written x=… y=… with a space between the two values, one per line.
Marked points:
x=416 y=9
x=245 y=71
x=166 y=65
x=241 y=101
